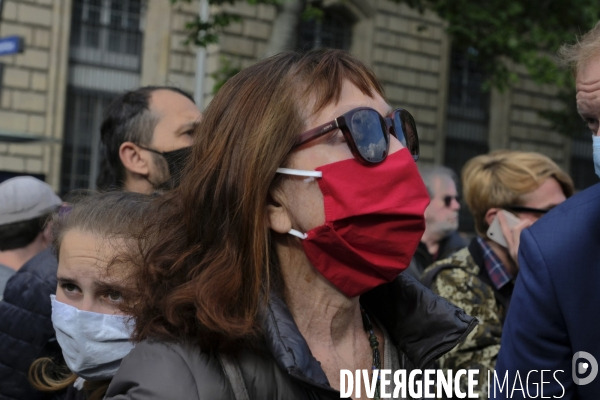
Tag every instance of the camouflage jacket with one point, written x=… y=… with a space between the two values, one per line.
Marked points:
x=468 y=286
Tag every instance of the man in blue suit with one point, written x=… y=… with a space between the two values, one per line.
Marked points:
x=553 y=323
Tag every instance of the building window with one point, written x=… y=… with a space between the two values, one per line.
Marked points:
x=582 y=161
x=468 y=119
x=104 y=59
x=81 y=146
x=332 y=30
x=107 y=32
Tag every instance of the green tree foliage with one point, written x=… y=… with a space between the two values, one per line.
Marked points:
x=526 y=32
x=202 y=33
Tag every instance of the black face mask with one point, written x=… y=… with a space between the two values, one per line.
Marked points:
x=176 y=161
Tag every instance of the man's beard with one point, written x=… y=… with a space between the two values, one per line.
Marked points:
x=162 y=181
x=445 y=228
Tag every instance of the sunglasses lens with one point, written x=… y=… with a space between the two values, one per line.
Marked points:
x=367 y=129
x=448 y=200
x=406 y=131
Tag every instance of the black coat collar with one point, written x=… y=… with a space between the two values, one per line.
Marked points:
x=422 y=325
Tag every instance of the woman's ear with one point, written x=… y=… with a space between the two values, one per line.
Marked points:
x=491 y=214
x=277 y=215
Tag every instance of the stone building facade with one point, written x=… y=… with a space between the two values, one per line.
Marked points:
x=79 y=53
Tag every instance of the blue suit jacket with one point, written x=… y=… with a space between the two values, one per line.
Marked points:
x=555 y=308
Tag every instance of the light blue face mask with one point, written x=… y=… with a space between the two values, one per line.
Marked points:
x=93 y=344
x=596 y=145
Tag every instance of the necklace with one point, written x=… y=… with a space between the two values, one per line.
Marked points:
x=375 y=346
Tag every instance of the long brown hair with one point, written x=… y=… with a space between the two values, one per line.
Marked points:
x=213 y=264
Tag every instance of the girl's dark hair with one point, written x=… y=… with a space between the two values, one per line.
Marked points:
x=114 y=214
x=213 y=263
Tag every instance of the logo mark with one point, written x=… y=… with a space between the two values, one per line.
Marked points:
x=582 y=367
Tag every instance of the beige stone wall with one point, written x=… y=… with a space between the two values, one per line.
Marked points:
x=410 y=56
x=246 y=42
x=166 y=59
x=408 y=51
x=528 y=130
x=516 y=123
x=25 y=83
x=157 y=43
x=242 y=43
x=182 y=58
x=31 y=103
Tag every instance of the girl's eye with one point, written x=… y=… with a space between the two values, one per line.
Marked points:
x=114 y=295
x=69 y=287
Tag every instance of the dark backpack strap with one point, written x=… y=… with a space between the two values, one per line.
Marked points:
x=427 y=279
x=233 y=373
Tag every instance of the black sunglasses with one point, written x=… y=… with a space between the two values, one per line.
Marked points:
x=519 y=209
x=448 y=200
x=368 y=133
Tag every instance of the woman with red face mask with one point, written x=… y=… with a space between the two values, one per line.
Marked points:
x=278 y=260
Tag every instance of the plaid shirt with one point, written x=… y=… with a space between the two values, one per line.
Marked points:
x=495 y=269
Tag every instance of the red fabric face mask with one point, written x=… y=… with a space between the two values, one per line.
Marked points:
x=373 y=221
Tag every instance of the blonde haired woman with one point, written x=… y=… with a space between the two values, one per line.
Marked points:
x=481 y=277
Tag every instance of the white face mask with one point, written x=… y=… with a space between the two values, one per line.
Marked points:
x=93 y=344
x=596 y=146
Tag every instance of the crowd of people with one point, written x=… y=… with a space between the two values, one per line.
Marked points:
x=285 y=234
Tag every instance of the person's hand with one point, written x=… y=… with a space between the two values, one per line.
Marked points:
x=513 y=235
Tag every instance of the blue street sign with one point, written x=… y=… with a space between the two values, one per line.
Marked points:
x=11 y=45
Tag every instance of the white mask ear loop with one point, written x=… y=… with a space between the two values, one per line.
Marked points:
x=298 y=234
x=300 y=172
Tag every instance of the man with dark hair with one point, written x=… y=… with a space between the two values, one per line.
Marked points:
x=147 y=134
x=25 y=203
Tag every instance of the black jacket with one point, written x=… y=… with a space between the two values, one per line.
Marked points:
x=26 y=331
x=422 y=259
x=422 y=325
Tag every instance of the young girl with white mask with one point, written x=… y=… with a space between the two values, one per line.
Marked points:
x=93 y=242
